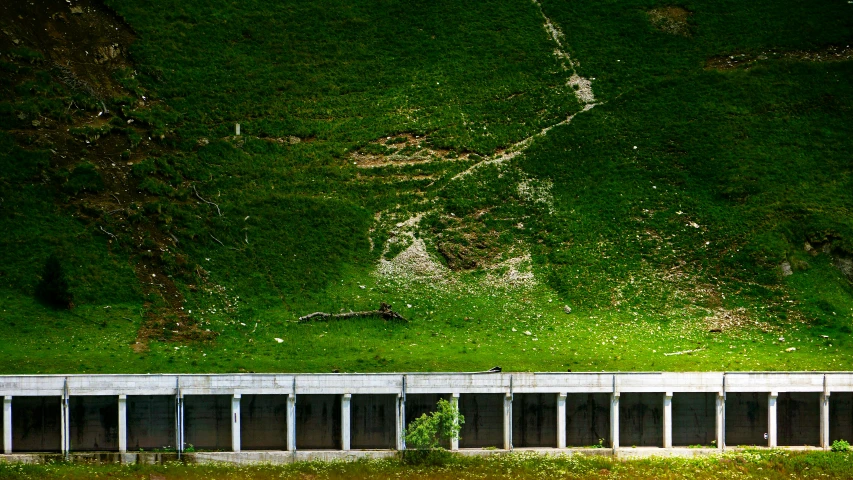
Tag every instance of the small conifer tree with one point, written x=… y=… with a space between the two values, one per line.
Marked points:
x=53 y=289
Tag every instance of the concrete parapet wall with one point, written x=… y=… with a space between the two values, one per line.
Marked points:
x=533 y=420
x=841 y=416
x=280 y=416
x=798 y=418
x=746 y=418
x=693 y=419
x=207 y=420
x=374 y=422
x=36 y=424
x=318 y=422
x=263 y=422
x=641 y=419
x=94 y=423
x=151 y=422
x=587 y=419
x=484 y=420
x=392 y=383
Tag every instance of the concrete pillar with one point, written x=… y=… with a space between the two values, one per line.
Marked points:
x=508 y=421
x=291 y=422
x=824 y=420
x=7 y=424
x=346 y=417
x=65 y=425
x=561 y=420
x=614 y=420
x=179 y=422
x=401 y=422
x=122 y=423
x=667 y=420
x=235 y=423
x=454 y=400
x=721 y=424
x=771 y=418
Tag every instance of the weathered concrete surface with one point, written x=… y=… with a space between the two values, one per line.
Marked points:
x=641 y=419
x=798 y=419
x=484 y=420
x=150 y=422
x=534 y=420
x=392 y=383
x=263 y=422
x=374 y=421
x=587 y=419
x=694 y=419
x=746 y=418
x=36 y=424
x=841 y=416
x=207 y=421
x=318 y=422
x=94 y=423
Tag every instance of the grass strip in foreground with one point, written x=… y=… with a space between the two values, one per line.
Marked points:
x=764 y=464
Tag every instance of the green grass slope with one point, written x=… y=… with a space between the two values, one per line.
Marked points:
x=479 y=166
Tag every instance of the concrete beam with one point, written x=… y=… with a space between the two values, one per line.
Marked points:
x=561 y=420
x=772 y=400
x=122 y=423
x=508 y=421
x=235 y=422
x=614 y=420
x=346 y=418
x=667 y=420
x=7 y=424
x=291 y=422
x=454 y=400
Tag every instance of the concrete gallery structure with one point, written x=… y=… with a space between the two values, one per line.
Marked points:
x=287 y=417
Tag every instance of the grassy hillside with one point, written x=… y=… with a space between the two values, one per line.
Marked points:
x=678 y=177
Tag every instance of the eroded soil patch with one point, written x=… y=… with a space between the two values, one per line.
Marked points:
x=671 y=19
x=83 y=46
x=832 y=53
x=403 y=149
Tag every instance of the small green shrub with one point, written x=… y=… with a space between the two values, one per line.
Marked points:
x=427 y=433
x=53 y=289
x=84 y=178
x=840 y=446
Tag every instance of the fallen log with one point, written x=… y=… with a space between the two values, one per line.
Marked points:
x=384 y=312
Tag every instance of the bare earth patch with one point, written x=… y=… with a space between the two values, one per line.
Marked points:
x=722 y=320
x=832 y=53
x=403 y=149
x=85 y=46
x=671 y=19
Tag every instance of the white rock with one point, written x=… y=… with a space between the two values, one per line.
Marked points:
x=278 y=340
